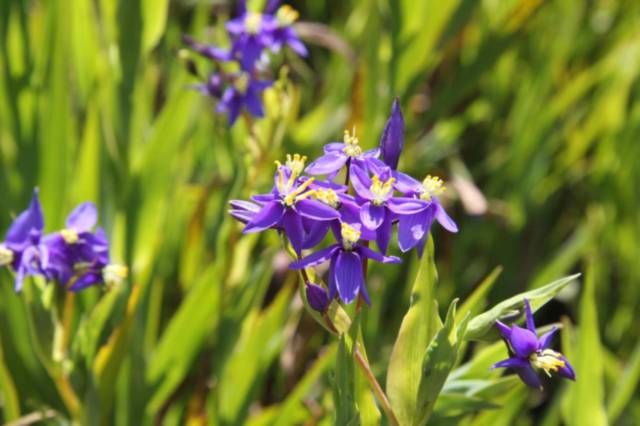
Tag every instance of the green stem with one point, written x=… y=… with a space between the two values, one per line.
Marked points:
x=375 y=386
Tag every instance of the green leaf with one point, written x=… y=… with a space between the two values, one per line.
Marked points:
x=456 y=404
x=624 y=390
x=154 y=17
x=10 y=399
x=439 y=359
x=477 y=300
x=586 y=395
x=418 y=327
x=480 y=325
x=344 y=399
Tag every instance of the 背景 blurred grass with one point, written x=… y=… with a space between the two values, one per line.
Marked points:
x=529 y=109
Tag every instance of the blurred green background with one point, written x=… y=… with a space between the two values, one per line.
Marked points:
x=529 y=109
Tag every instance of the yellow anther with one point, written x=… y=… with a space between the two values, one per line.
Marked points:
x=242 y=83
x=352 y=144
x=114 y=274
x=547 y=360
x=280 y=184
x=381 y=190
x=327 y=196
x=432 y=185
x=296 y=163
x=350 y=236
x=70 y=236
x=252 y=22
x=286 y=15
x=6 y=255
x=297 y=195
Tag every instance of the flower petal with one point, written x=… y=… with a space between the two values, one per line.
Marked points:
x=317 y=297
x=315 y=258
x=523 y=341
x=545 y=340
x=567 y=371
x=529 y=376
x=392 y=140
x=83 y=218
x=316 y=233
x=317 y=210
x=504 y=329
x=267 y=218
x=383 y=234
x=328 y=163
x=374 y=255
x=413 y=228
x=404 y=205
x=372 y=216
x=292 y=223
x=511 y=363
x=531 y=326
x=444 y=219
x=348 y=275
x=360 y=181
x=30 y=219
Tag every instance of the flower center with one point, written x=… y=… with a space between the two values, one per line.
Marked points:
x=381 y=190
x=241 y=83
x=286 y=15
x=547 y=360
x=252 y=22
x=352 y=144
x=327 y=196
x=285 y=186
x=114 y=274
x=6 y=255
x=70 y=236
x=432 y=185
x=350 y=236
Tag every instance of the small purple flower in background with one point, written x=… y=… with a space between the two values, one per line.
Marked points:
x=413 y=228
x=380 y=208
x=23 y=248
x=338 y=154
x=346 y=276
x=392 y=140
x=288 y=202
x=317 y=297
x=213 y=87
x=284 y=34
x=245 y=92
x=529 y=353
x=251 y=33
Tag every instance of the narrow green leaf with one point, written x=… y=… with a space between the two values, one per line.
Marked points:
x=418 y=327
x=586 y=395
x=154 y=16
x=344 y=400
x=624 y=390
x=476 y=301
x=481 y=324
x=10 y=399
x=456 y=404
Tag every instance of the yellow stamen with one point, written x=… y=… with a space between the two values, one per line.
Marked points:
x=432 y=185
x=6 y=255
x=352 y=148
x=327 y=196
x=381 y=190
x=280 y=183
x=547 y=360
x=252 y=22
x=286 y=15
x=70 y=236
x=350 y=236
x=242 y=83
x=291 y=198
x=114 y=274
x=296 y=163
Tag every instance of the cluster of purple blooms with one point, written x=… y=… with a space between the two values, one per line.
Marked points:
x=375 y=197
x=76 y=257
x=528 y=353
x=252 y=35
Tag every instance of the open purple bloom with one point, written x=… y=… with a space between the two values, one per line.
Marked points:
x=245 y=92
x=380 y=208
x=346 y=276
x=288 y=202
x=529 y=353
x=414 y=228
x=23 y=248
x=251 y=33
x=283 y=34
x=392 y=140
x=338 y=154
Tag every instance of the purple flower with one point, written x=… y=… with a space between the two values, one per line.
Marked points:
x=380 y=208
x=23 y=248
x=317 y=297
x=245 y=92
x=208 y=51
x=338 y=154
x=414 y=228
x=213 y=87
x=346 y=276
x=288 y=202
x=251 y=33
x=284 y=34
x=392 y=140
x=529 y=353
x=243 y=211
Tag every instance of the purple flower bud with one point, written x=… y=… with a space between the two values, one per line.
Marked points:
x=317 y=296
x=392 y=140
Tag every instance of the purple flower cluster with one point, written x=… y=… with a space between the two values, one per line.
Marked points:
x=76 y=257
x=374 y=198
x=529 y=353
x=252 y=35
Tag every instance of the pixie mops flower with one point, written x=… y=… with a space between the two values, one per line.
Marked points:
x=529 y=353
